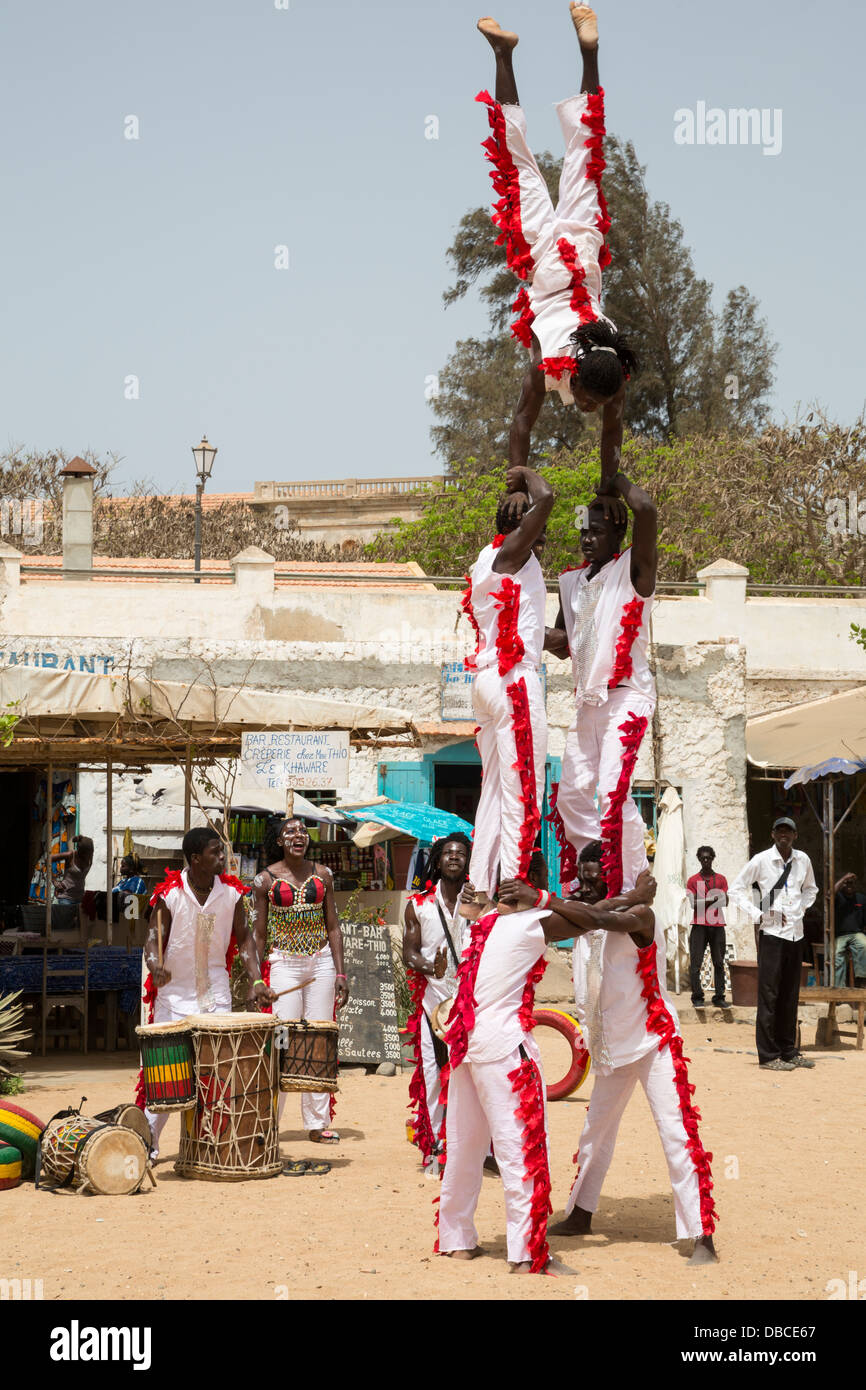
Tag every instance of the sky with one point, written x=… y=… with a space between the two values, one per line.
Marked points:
x=143 y=302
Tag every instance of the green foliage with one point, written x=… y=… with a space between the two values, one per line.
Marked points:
x=8 y=719
x=772 y=502
x=11 y=1085
x=858 y=635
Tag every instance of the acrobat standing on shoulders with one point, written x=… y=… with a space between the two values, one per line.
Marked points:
x=559 y=253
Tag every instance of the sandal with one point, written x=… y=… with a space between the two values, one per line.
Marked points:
x=324 y=1136
x=295 y=1167
x=317 y=1170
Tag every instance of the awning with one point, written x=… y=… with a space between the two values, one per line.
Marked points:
x=133 y=717
x=812 y=733
x=247 y=797
x=422 y=822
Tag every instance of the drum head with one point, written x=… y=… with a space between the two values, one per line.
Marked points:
x=230 y=1023
x=113 y=1161
x=130 y=1117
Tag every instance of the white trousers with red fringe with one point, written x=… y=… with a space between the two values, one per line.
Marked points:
x=512 y=742
x=503 y=1101
x=601 y=751
x=610 y=1095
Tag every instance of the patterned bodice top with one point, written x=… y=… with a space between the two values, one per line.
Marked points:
x=296 y=916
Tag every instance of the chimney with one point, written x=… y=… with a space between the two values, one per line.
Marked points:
x=77 y=518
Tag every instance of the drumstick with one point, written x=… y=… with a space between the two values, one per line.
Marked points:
x=292 y=989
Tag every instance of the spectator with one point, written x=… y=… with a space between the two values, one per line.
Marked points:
x=850 y=934
x=69 y=888
x=708 y=894
x=786 y=887
x=131 y=880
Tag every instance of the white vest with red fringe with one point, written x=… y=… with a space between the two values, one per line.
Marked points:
x=199 y=942
x=433 y=939
x=607 y=622
x=501 y=967
x=610 y=1000
x=506 y=612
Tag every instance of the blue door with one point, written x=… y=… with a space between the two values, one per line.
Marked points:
x=407 y=781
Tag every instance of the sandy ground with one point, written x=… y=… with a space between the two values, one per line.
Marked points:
x=784 y=1145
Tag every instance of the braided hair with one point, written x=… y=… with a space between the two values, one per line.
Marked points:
x=604 y=358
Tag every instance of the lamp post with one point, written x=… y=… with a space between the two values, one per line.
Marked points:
x=204 y=455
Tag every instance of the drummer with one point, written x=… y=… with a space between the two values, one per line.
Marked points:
x=199 y=911
x=297 y=930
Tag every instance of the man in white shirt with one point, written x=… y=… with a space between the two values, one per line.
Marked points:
x=786 y=887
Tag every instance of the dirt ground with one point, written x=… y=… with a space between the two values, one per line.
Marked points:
x=791 y=1213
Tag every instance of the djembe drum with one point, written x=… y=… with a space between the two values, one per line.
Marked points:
x=167 y=1065
x=232 y=1131
x=129 y=1117
x=89 y=1155
x=308 y=1055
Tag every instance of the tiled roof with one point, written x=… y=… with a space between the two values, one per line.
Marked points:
x=284 y=570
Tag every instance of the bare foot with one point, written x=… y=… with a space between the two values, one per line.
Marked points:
x=578 y=1223
x=586 y=24
x=519 y=1267
x=463 y=1254
x=499 y=39
x=704 y=1252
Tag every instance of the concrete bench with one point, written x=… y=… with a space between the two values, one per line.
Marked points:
x=829 y=994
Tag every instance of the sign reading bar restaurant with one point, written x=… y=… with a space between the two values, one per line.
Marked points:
x=315 y=758
x=456 y=690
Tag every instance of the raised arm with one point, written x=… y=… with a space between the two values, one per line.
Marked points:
x=611 y=439
x=528 y=407
x=644 y=542
x=516 y=549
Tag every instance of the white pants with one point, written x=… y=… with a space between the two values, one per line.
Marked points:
x=512 y=741
x=483 y=1104
x=315 y=1001
x=595 y=758
x=432 y=1077
x=610 y=1095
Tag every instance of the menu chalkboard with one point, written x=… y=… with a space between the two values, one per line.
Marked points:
x=368 y=1023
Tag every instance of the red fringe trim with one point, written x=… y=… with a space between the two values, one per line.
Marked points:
x=444 y=1078
x=527 y=1002
x=567 y=852
x=659 y=1021
x=525 y=769
x=506 y=182
x=428 y=892
x=632 y=617
x=526 y=1084
x=632 y=730
x=423 y=1138
x=558 y=366
x=466 y=605
x=521 y=328
x=580 y=300
x=593 y=118
x=172 y=880
x=509 y=643
x=235 y=883
x=497 y=542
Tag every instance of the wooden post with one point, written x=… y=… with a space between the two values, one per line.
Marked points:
x=290 y=802
x=109 y=855
x=187 y=790
x=49 y=803
x=831 y=915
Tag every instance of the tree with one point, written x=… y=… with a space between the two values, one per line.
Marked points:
x=783 y=503
x=652 y=293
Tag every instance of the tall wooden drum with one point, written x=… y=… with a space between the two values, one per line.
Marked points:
x=232 y=1132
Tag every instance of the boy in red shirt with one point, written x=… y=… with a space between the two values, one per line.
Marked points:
x=709 y=896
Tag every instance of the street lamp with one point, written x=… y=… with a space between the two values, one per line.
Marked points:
x=204 y=455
